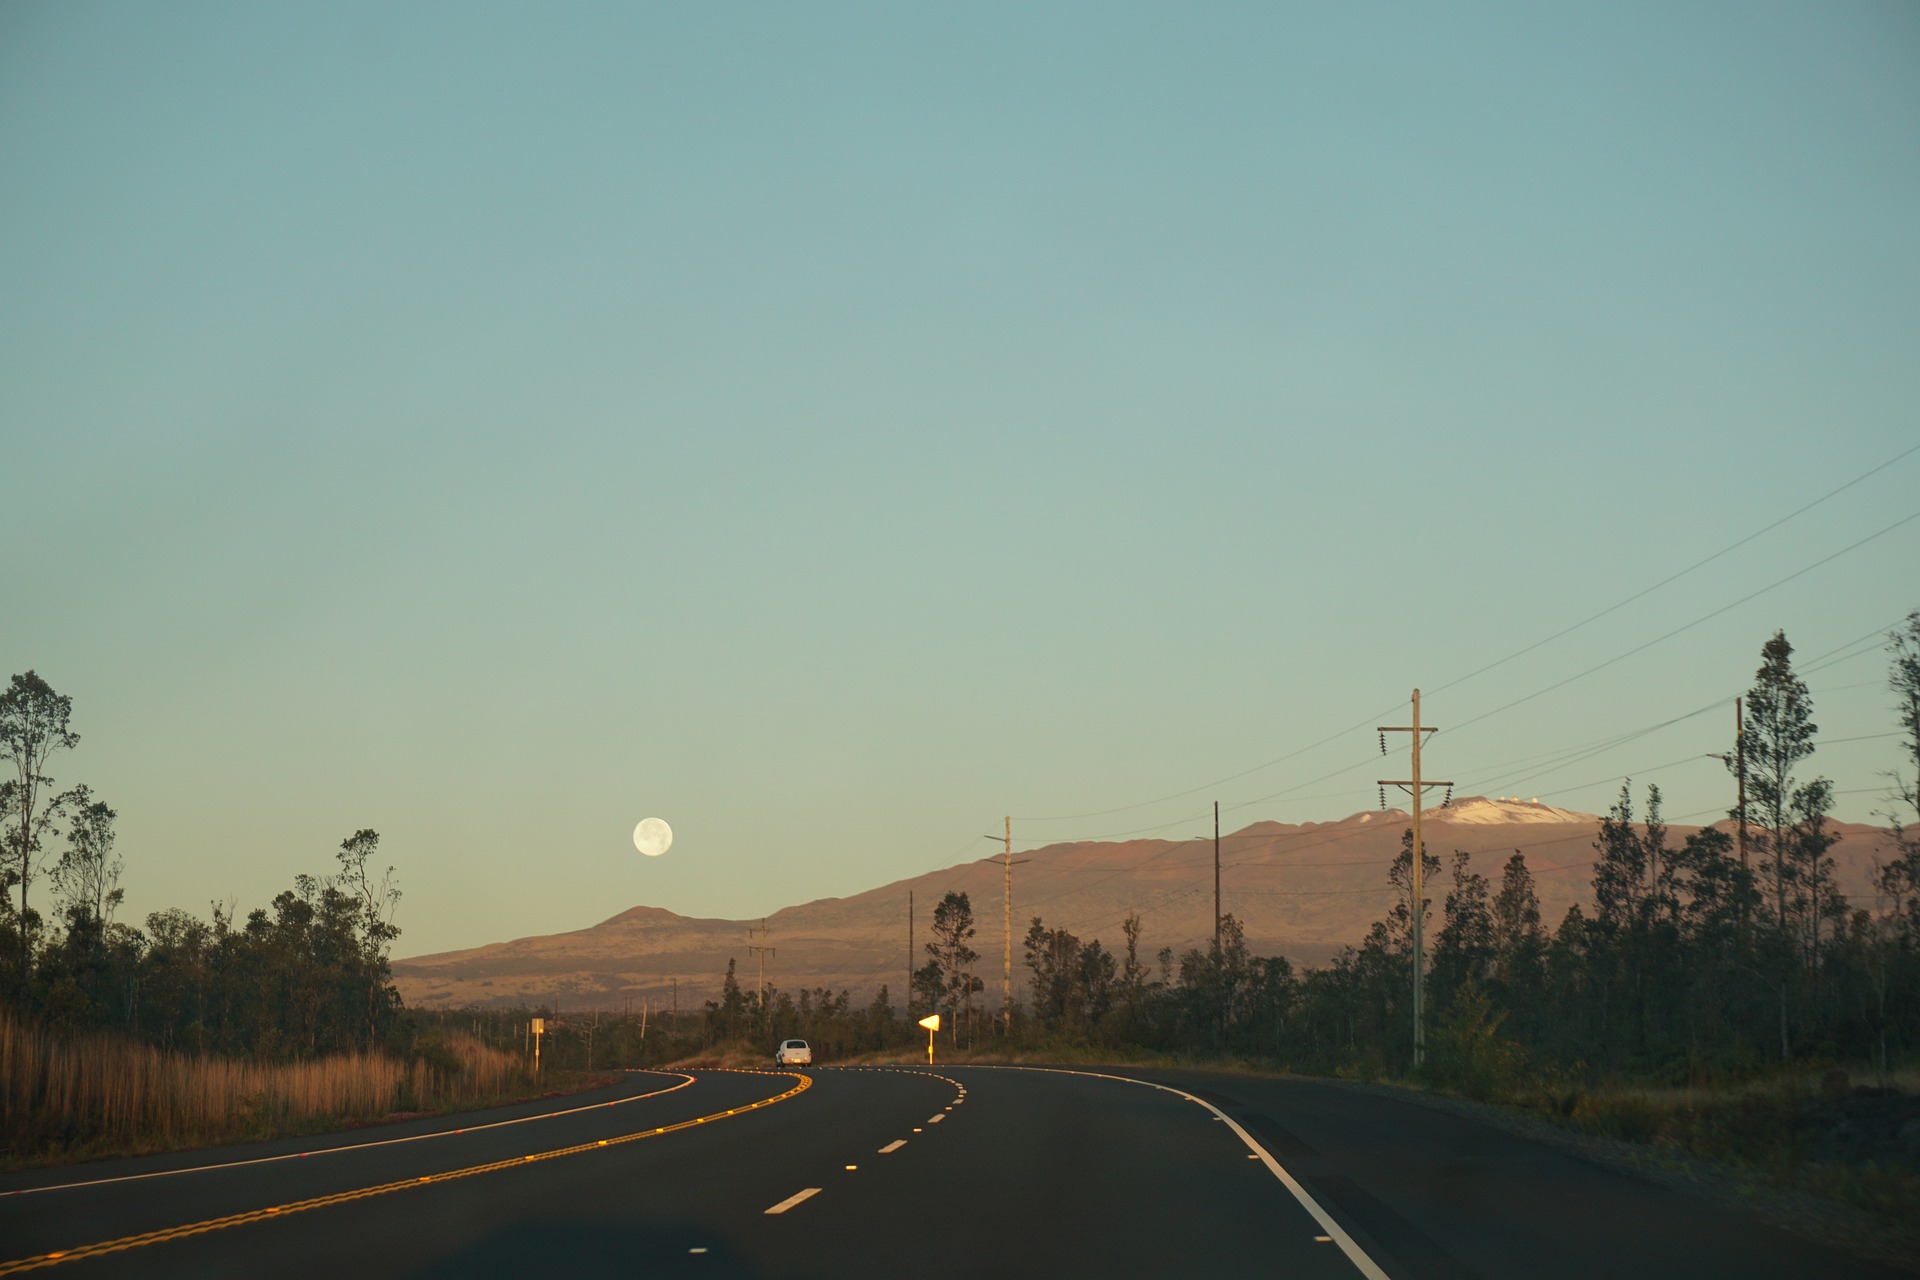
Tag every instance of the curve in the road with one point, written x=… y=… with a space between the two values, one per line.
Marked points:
x=1335 y=1233
x=124 y=1243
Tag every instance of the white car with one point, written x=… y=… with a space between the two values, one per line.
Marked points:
x=793 y=1053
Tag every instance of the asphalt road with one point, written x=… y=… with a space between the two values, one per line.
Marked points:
x=962 y=1171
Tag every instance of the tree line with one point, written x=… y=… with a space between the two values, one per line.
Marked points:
x=1721 y=953
x=306 y=976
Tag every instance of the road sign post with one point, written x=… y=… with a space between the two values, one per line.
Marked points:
x=539 y=1025
x=932 y=1024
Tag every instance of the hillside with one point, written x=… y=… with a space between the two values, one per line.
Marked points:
x=1303 y=891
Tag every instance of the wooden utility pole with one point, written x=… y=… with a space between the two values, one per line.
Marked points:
x=907 y=1002
x=1216 y=880
x=1415 y=788
x=1006 y=964
x=762 y=952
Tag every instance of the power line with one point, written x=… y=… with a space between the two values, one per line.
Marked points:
x=1564 y=631
x=1575 y=755
x=1684 y=572
x=1696 y=622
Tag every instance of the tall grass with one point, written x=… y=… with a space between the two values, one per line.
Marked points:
x=102 y=1092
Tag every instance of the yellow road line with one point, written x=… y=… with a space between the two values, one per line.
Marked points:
x=341 y=1197
x=685 y=1080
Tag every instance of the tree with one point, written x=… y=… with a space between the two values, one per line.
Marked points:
x=1809 y=841
x=1900 y=879
x=1779 y=732
x=1633 y=876
x=87 y=877
x=1052 y=956
x=1518 y=943
x=374 y=903
x=1216 y=985
x=952 y=928
x=1399 y=921
x=732 y=1009
x=33 y=725
x=1904 y=680
x=1133 y=974
x=928 y=987
x=1463 y=954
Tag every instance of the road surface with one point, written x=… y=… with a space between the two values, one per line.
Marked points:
x=923 y=1172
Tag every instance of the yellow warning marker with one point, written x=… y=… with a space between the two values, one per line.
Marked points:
x=932 y=1024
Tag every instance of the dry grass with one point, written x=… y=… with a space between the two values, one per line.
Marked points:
x=102 y=1092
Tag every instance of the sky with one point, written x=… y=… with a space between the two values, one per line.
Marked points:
x=834 y=428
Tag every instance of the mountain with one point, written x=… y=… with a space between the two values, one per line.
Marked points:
x=1301 y=891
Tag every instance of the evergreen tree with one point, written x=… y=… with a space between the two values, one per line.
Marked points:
x=952 y=931
x=1463 y=954
x=1519 y=946
x=1779 y=732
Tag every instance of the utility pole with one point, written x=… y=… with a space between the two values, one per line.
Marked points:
x=907 y=1002
x=762 y=952
x=1416 y=788
x=676 y=996
x=1006 y=966
x=1216 y=881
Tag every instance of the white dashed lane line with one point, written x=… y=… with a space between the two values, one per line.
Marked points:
x=936 y=1119
x=893 y=1146
x=797 y=1198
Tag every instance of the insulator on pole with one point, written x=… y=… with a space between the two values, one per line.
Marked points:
x=1449 y=799
x=1383 y=742
x=1383 y=797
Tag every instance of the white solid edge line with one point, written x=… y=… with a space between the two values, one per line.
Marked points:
x=685 y=1080
x=1355 y=1254
x=794 y=1199
x=893 y=1146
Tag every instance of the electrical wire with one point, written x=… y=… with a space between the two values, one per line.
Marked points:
x=1641 y=648
x=1565 y=631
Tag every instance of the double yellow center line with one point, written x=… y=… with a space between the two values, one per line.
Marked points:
x=363 y=1193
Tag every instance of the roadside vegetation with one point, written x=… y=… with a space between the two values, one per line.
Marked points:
x=194 y=1030
x=104 y=1094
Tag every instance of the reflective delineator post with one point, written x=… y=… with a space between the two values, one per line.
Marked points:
x=932 y=1024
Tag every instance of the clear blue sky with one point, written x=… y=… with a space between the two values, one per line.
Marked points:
x=832 y=428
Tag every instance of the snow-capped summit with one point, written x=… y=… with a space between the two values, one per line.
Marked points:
x=1480 y=810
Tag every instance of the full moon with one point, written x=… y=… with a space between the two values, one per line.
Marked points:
x=652 y=837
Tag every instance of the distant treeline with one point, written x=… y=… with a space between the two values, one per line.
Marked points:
x=304 y=977
x=1693 y=962
x=1700 y=958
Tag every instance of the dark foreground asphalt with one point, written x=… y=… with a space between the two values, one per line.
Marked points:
x=964 y=1171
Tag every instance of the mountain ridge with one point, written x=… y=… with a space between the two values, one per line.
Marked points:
x=1303 y=890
